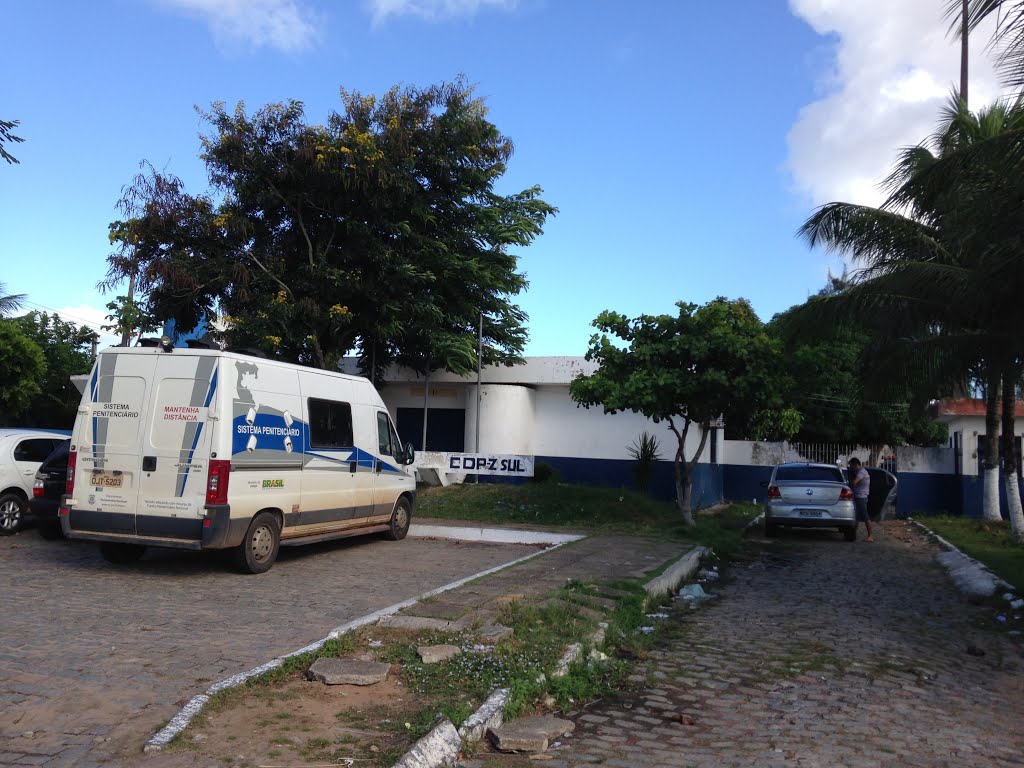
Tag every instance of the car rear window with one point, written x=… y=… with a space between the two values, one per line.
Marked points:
x=815 y=474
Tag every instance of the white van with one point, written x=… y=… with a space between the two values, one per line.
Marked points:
x=203 y=449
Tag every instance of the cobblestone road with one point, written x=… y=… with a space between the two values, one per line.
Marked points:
x=93 y=658
x=818 y=652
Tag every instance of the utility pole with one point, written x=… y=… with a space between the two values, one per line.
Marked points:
x=479 y=366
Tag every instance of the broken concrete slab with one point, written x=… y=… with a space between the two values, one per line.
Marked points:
x=402 y=621
x=439 y=747
x=677 y=573
x=347 y=671
x=446 y=611
x=530 y=734
x=432 y=654
x=571 y=654
x=489 y=716
x=493 y=633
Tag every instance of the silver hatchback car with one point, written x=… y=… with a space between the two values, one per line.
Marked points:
x=809 y=496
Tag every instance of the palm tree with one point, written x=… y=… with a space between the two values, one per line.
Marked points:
x=11 y=303
x=941 y=258
x=1007 y=40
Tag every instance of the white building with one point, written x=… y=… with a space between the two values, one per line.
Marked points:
x=526 y=410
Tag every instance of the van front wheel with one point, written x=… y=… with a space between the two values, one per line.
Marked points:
x=259 y=548
x=400 y=520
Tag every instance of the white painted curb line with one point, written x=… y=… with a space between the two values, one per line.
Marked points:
x=194 y=706
x=494 y=535
x=439 y=747
x=970 y=576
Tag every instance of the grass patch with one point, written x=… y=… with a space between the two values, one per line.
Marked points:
x=988 y=542
x=612 y=510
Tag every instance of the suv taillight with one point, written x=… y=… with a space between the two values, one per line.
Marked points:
x=846 y=495
x=69 y=487
x=217 y=481
x=774 y=492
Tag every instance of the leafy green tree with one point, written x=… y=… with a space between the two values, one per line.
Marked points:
x=6 y=126
x=842 y=392
x=22 y=368
x=687 y=370
x=67 y=350
x=378 y=232
x=129 y=318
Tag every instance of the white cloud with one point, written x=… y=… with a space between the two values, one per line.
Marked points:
x=288 y=25
x=893 y=67
x=87 y=315
x=433 y=10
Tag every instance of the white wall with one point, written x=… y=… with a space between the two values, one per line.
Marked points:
x=563 y=429
x=938 y=460
x=908 y=458
x=507 y=419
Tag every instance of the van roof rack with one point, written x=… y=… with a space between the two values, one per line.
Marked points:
x=148 y=341
x=201 y=344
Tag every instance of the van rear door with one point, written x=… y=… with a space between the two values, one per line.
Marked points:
x=176 y=447
x=108 y=436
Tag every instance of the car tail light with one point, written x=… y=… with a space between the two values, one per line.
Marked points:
x=846 y=495
x=69 y=487
x=774 y=492
x=37 y=489
x=217 y=481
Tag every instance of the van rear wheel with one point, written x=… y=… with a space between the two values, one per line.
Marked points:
x=121 y=554
x=401 y=517
x=259 y=548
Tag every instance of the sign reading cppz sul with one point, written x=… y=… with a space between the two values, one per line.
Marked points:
x=486 y=464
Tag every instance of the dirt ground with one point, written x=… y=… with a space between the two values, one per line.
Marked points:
x=301 y=723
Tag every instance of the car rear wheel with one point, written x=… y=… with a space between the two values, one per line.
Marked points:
x=850 y=534
x=12 y=514
x=400 y=520
x=771 y=530
x=121 y=554
x=259 y=548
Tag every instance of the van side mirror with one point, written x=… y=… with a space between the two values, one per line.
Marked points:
x=410 y=453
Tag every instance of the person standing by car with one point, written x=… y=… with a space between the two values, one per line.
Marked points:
x=860 y=481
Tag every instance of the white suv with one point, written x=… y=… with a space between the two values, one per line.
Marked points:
x=21 y=453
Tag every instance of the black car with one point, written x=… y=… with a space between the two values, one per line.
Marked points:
x=51 y=481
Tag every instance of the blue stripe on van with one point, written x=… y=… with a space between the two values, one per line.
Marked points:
x=199 y=430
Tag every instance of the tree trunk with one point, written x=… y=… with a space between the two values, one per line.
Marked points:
x=964 y=37
x=990 y=472
x=684 y=484
x=1010 y=458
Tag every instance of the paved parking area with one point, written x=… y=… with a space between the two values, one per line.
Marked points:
x=94 y=658
x=818 y=652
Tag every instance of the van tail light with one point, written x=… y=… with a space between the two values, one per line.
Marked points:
x=37 y=489
x=774 y=492
x=846 y=495
x=217 y=481
x=69 y=487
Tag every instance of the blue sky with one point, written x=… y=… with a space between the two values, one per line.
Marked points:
x=684 y=143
